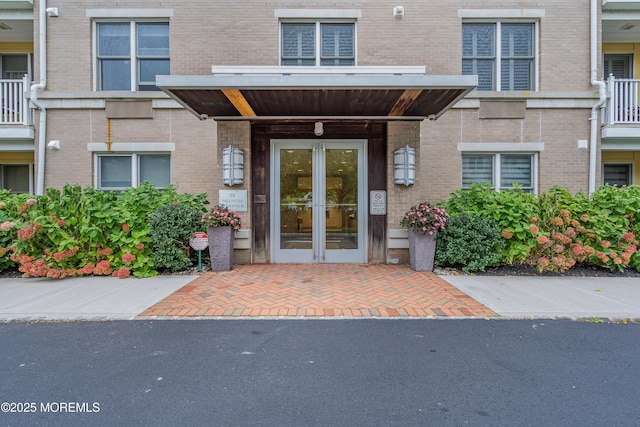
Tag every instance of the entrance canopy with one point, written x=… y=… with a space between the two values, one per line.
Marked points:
x=270 y=93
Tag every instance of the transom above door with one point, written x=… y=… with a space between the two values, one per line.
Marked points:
x=318 y=211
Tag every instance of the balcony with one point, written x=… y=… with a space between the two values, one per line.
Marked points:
x=15 y=106
x=622 y=104
x=621 y=121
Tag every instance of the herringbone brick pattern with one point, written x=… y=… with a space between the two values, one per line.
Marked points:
x=318 y=290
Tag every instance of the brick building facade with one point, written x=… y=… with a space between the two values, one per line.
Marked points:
x=525 y=120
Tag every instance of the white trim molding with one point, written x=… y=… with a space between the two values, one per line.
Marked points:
x=269 y=70
x=398 y=238
x=21 y=132
x=318 y=13
x=17 y=145
x=501 y=13
x=500 y=147
x=129 y=13
x=131 y=147
x=242 y=239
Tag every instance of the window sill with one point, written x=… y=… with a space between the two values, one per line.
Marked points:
x=116 y=94
x=489 y=94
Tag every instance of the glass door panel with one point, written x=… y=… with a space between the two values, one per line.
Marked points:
x=341 y=183
x=296 y=192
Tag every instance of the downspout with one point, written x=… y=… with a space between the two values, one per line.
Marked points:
x=35 y=88
x=593 y=144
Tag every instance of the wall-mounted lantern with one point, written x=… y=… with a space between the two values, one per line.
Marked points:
x=232 y=166
x=404 y=166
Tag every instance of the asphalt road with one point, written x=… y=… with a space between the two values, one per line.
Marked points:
x=320 y=373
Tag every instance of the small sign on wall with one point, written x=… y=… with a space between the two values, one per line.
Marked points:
x=378 y=202
x=235 y=200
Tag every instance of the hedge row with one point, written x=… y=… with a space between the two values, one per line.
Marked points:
x=556 y=230
x=79 y=231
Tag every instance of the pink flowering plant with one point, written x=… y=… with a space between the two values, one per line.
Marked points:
x=221 y=216
x=425 y=218
x=82 y=231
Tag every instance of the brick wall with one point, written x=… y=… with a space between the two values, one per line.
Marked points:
x=207 y=33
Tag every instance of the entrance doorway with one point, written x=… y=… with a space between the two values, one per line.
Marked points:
x=318 y=209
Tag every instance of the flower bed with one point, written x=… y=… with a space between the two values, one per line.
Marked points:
x=80 y=231
x=557 y=230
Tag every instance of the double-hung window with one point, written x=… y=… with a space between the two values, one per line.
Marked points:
x=122 y=171
x=502 y=171
x=317 y=43
x=130 y=55
x=501 y=54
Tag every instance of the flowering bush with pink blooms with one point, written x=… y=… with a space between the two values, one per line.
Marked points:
x=221 y=216
x=11 y=210
x=81 y=231
x=557 y=230
x=425 y=218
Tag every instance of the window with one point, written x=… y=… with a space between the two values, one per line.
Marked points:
x=318 y=43
x=15 y=66
x=503 y=171
x=16 y=178
x=618 y=65
x=121 y=171
x=618 y=174
x=501 y=54
x=131 y=54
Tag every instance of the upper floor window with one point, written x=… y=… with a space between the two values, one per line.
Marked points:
x=501 y=54
x=15 y=66
x=131 y=54
x=318 y=43
x=618 y=65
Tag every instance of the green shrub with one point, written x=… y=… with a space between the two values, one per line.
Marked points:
x=510 y=209
x=557 y=229
x=79 y=231
x=471 y=241
x=171 y=226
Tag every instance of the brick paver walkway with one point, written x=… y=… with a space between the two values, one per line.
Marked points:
x=318 y=290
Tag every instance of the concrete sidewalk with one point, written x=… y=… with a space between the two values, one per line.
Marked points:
x=554 y=297
x=510 y=297
x=83 y=298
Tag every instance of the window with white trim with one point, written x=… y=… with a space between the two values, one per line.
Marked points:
x=317 y=43
x=619 y=65
x=131 y=54
x=122 y=171
x=501 y=54
x=502 y=171
x=16 y=178
x=617 y=174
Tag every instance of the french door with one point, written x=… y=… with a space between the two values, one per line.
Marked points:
x=318 y=210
